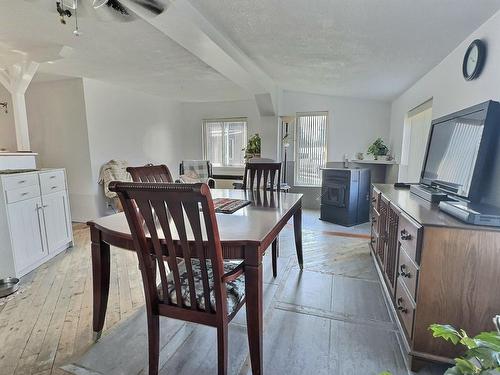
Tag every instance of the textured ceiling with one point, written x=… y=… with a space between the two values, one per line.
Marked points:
x=360 y=48
x=132 y=54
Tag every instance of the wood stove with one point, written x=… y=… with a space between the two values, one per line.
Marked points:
x=345 y=196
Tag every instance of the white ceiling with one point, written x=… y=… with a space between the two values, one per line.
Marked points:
x=358 y=48
x=132 y=54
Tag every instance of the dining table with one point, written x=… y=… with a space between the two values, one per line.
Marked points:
x=245 y=234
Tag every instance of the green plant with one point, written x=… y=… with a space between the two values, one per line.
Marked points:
x=253 y=146
x=483 y=350
x=378 y=148
x=482 y=355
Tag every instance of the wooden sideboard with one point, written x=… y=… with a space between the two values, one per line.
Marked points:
x=434 y=269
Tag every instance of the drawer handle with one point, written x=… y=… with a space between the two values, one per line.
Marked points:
x=401 y=308
x=405 y=236
x=402 y=272
x=23 y=194
x=52 y=176
x=22 y=182
x=54 y=187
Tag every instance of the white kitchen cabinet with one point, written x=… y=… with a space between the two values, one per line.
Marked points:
x=27 y=233
x=35 y=220
x=57 y=220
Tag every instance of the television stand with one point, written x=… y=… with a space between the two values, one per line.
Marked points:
x=428 y=193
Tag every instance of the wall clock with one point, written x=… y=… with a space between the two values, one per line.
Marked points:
x=474 y=60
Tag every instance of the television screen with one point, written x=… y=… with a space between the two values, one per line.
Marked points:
x=452 y=153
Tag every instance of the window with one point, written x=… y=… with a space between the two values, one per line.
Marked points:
x=224 y=140
x=310 y=147
x=417 y=129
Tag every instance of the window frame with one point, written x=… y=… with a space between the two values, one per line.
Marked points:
x=295 y=152
x=225 y=143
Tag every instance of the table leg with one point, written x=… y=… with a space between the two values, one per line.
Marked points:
x=254 y=306
x=100 y=280
x=297 y=228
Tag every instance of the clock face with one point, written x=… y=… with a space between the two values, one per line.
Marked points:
x=474 y=60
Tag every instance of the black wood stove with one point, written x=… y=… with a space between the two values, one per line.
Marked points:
x=345 y=196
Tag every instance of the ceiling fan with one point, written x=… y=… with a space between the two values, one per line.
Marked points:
x=108 y=10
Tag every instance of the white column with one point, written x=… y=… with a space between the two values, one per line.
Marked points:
x=16 y=79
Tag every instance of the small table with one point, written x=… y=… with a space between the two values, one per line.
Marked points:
x=245 y=234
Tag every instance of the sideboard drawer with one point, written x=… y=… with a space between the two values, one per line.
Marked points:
x=405 y=308
x=22 y=193
x=410 y=236
x=20 y=181
x=408 y=272
x=53 y=181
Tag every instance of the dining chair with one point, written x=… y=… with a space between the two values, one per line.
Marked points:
x=265 y=175
x=193 y=171
x=203 y=288
x=150 y=173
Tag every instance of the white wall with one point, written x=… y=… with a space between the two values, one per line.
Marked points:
x=7 y=125
x=58 y=132
x=447 y=87
x=133 y=126
x=353 y=123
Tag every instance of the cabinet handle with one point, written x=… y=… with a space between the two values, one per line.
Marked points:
x=374 y=199
x=22 y=182
x=400 y=306
x=54 y=187
x=402 y=272
x=52 y=176
x=23 y=194
x=374 y=220
x=405 y=236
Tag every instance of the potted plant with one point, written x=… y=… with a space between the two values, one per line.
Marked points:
x=253 y=147
x=482 y=354
x=378 y=148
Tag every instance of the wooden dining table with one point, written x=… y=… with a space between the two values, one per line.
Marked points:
x=245 y=234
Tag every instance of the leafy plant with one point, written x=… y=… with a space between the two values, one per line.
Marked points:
x=253 y=146
x=482 y=356
x=378 y=148
x=483 y=350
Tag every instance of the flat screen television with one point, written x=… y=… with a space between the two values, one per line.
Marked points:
x=459 y=150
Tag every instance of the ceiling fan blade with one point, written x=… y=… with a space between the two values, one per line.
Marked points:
x=154 y=6
x=113 y=12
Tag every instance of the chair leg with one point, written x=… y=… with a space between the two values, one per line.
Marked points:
x=222 y=351
x=275 y=257
x=153 y=342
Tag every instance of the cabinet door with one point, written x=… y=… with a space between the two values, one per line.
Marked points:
x=27 y=233
x=56 y=215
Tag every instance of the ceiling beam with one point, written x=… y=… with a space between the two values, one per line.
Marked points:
x=190 y=29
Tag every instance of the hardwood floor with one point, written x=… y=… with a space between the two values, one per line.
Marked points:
x=51 y=321
x=330 y=319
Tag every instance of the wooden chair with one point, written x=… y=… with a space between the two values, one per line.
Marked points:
x=267 y=176
x=150 y=173
x=203 y=288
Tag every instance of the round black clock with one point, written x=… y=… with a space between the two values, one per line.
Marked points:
x=474 y=60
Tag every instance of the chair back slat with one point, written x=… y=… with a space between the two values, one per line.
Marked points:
x=193 y=213
x=150 y=173
x=269 y=172
x=170 y=213
x=149 y=220
x=177 y=212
